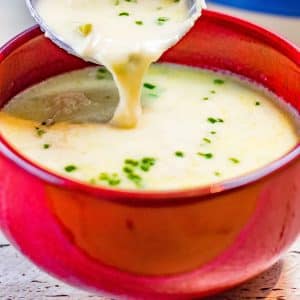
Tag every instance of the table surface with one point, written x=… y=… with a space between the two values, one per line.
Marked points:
x=19 y=279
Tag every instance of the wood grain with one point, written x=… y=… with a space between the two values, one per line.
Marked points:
x=19 y=279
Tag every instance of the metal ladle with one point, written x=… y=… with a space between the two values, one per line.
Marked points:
x=193 y=6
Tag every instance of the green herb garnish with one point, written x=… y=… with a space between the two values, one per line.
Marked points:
x=212 y=120
x=162 y=20
x=139 y=22
x=85 y=29
x=149 y=160
x=206 y=155
x=206 y=140
x=146 y=163
x=46 y=146
x=136 y=179
x=219 y=81
x=149 y=86
x=111 y=179
x=179 y=154
x=215 y=120
x=124 y=13
x=234 y=160
x=70 y=168
x=131 y=162
x=128 y=169
x=102 y=73
x=132 y=166
x=39 y=131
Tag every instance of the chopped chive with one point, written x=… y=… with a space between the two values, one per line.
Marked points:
x=110 y=179
x=212 y=120
x=136 y=179
x=148 y=160
x=85 y=29
x=103 y=176
x=179 y=154
x=102 y=73
x=114 y=182
x=102 y=70
x=46 y=146
x=213 y=132
x=257 y=103
x=234 y=160
x=149 y=86
x=219 y=81
x=206 y=155
x=147 y=163
x=205 y=98
x=218 y=174
x=206 y=140
x=131 y=166
x=124 y=13
x=131 y=162
x=70 y=168
x=162 y=20
x=39 y=131
x=213 y=92
x=127 y=169
x=139 y=22
x=145 y=167
x=215 y=120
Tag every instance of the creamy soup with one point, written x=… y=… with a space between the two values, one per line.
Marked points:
x=124 y=35
x=198 y=127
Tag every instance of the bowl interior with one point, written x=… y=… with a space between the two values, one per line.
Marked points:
x=217 y=42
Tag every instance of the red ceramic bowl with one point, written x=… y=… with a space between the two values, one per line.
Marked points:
x=155 y=245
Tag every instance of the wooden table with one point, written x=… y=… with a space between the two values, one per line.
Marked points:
x=19 y=279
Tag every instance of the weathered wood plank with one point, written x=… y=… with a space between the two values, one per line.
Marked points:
x=19 y=279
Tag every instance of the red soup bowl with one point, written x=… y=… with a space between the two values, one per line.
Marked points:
x=155 y=245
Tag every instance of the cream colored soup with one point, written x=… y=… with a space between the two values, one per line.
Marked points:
x=124 y=35
x=198 y=128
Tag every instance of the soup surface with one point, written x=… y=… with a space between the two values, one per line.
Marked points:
x=197 y=128
x=124 y=35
